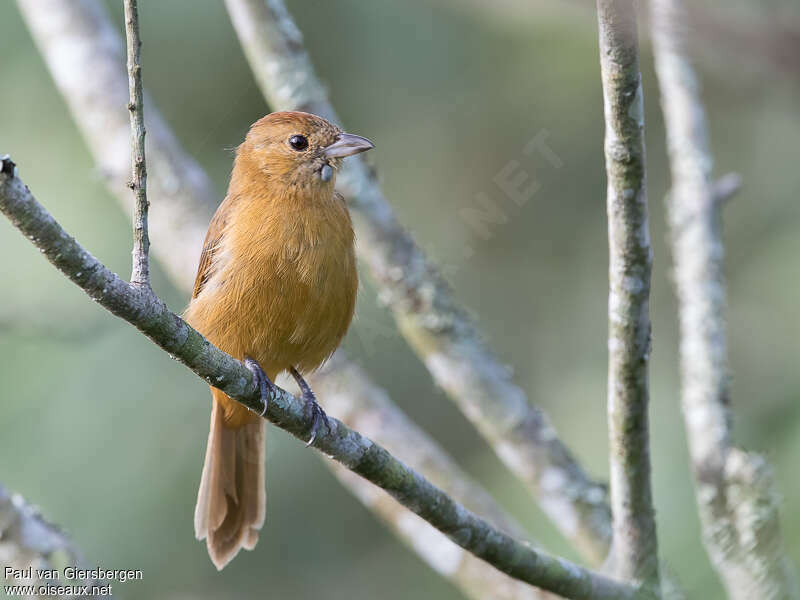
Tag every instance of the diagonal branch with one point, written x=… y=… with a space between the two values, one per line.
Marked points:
x=432 y=321
x=140 y=274
x=350 y=394
x=140 y=307
x=630 y=260
x=735 y=491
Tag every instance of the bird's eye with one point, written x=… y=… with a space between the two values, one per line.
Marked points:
x=298 y=142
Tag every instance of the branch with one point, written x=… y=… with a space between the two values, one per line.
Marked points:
x=140 y=274
x=350 y=394
x=140 y=307
x=735 y=490
x=85 y=25
x=431 y=320
x=771 y=43
x=630 y=259
x=726 y=187
x=28 y=540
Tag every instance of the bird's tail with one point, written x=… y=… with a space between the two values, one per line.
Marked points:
x=231 y=503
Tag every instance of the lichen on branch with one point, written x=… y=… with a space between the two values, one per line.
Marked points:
x=630 y=260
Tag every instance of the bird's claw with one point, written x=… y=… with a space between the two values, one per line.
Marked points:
x=317 y=414
x=265 y=387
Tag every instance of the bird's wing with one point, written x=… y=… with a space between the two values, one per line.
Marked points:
x=211 y=244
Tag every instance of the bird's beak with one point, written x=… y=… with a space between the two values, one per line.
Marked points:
x=347 y=144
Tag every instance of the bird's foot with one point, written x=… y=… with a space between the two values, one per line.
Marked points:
x=265 y=387
x=318 y=415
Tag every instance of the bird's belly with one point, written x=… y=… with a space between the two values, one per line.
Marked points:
x=287 y=313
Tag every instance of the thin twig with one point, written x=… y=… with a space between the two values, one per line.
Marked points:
x=726 y=187
x=140 y=274
x=143 y=309
x=630 y=258
x=86 y=57
x=736 y=495
x=431 y=320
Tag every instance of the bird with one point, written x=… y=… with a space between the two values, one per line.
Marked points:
x=275 y=288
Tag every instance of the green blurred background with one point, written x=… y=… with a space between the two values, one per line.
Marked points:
x=450 y=91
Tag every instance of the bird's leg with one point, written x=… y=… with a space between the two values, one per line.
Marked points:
x=265 y=387
x=316 y=410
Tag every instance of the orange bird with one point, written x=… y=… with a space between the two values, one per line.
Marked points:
x=276 y=288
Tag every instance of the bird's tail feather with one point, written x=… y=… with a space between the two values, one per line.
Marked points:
x=231 y=502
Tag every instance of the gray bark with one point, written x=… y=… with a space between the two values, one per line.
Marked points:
x=635 y=554
x=140 y=272
x=349 y=394
x=736 y=496
x=28 y=540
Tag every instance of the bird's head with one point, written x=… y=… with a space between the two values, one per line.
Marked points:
x=299 y=149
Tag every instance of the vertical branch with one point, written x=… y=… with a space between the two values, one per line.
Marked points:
x=140 y=274
x=736 y=498
x=630 y=258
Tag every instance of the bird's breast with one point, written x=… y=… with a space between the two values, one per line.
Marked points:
x=289 y=284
